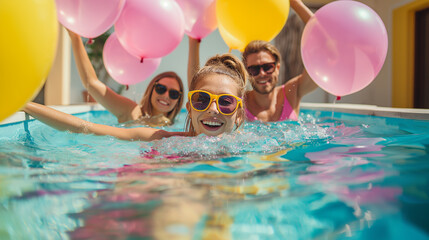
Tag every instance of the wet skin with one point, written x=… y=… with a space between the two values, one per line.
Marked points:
x=211 y=122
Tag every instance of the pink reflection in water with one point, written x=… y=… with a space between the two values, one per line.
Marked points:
x=336 y=169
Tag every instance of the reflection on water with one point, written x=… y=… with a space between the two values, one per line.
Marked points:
x=319 y=178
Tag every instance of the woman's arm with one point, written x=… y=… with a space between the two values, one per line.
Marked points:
x=193 y=58
x=123 y=108
x=66 y=122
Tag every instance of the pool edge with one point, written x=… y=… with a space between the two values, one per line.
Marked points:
x=371 y=110
x=71 y=109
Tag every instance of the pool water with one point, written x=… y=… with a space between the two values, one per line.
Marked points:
x=327 y=176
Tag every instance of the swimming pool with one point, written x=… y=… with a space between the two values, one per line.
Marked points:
x=328 y=176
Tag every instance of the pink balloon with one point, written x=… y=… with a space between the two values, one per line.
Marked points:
x=149 y=28
x=123 y=67
x=200 y=17
x=89 y=18
x=344 y=46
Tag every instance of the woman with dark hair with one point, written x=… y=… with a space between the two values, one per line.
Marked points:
x=159 y=106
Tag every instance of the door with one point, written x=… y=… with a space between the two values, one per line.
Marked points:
x=421 y=71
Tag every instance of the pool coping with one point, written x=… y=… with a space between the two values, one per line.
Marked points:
x=71 y=109
x=371 y=110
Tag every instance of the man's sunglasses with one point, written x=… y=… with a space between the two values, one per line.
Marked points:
x=161 y=89
x=256 y=69
x=201 y=100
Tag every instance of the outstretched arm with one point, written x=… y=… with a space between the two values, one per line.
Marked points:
x=193 y=58
x=66 y=122
x=303 y=11
x=304 y=82
x=123 y=108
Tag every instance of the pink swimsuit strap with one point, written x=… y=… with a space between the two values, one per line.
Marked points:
x=287 y=111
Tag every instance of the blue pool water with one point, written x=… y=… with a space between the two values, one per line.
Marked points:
x=328 y=176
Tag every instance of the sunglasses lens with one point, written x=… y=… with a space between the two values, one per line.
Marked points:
x=160 y=89
x=174 y=94
x=200 y=100
x=254 y=70
x=227 y=104
x=268 y=67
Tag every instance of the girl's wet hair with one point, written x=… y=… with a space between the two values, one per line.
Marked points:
x=224 y=64
x=146 y=106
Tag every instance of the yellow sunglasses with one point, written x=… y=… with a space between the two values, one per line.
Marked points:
x=201 y=100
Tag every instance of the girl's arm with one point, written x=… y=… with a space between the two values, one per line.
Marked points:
x=123 y=108
x=66 y=122
x=193 y=58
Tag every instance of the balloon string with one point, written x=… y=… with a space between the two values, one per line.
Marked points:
x=27 y=130
x=335 y=101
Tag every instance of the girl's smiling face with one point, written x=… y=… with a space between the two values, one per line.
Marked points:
x=162 y=103
x=211 y=122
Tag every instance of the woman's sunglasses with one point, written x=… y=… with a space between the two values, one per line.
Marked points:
x=161 y=89
x=201 y=100
x=256 y=69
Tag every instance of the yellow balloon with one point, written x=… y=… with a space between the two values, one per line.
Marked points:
x=27 y=50
x=242 y=21
x=230 y=40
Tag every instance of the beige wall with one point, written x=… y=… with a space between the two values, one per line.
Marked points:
x=57 y=87
x=381 y=89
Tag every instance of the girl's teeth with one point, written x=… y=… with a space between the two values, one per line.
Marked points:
x=210 y=123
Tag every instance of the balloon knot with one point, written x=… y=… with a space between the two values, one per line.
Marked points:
x=199 y=40
x=90 y=41
x=338 y=98
x=127 y=87
x=141 y=60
